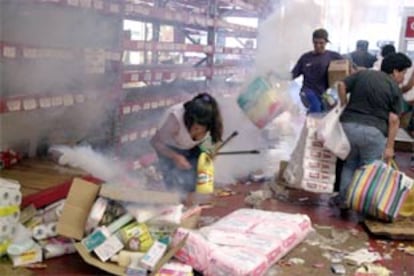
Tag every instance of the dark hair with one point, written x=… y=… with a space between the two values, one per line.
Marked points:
x=362 y=44
x=397 y=61
x=387 y=49
x=320 y=34
x=203 y=109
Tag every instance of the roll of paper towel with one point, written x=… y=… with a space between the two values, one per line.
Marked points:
x=51 y=230
x=40 y=232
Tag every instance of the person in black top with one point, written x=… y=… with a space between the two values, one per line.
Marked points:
x=361 y=57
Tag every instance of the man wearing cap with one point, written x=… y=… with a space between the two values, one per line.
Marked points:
x=313 y=66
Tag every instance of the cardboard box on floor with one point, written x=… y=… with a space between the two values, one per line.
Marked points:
x=79 y=202
x=338 y=70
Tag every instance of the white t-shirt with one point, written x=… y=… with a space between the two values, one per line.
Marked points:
x=181 y=140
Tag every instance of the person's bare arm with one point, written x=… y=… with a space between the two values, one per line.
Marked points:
x=169 y=129
x=342 y=93
x=393 y=125
x=407 y=87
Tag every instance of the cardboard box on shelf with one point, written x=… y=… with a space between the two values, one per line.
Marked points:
x=78 y=204
x=338 y=70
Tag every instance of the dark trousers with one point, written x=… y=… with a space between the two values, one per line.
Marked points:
x=338 y=172
x=177 y=179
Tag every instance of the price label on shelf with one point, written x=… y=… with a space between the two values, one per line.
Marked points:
x=14 y=105
x=114 y=8
x=124 y=138
x=126 y=109
x=9 y=52
x=29 y=104
x=57 y=101
x=133 y=136
x=161 y=103
x=136 y=108
x=80 y=98
x=147 y=76
x=29 y=53
x=147 y=106
x=154 y=105
x=68 y=100
x=45 y=102
x=135 y=77
x=152 y=131
x=98 y=4
x=129 y=8
x=73 y=3
x=144 y=133
x=86 y=3
x=158 y=76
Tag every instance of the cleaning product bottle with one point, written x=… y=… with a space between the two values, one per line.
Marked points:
x=205 y=174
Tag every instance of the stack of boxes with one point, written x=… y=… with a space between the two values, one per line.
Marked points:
x=312 y=167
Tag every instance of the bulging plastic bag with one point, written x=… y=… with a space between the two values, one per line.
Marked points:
x=332 y=135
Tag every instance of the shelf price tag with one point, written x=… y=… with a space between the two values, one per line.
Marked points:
x=80 y=98
x=114 y=8
x=124 y=138
x=158 y=76
x=57 y=101
x=147 y=76
x=154 y=105
x=29 y=53
x=68 y=100
x=133 y=136
x=73 y=2
x=9 y=52
x=29 y=104
x=14 y=105
x=144 y=133
x=136 y=108
x=147 y=106
x=126 y=109
x=86 y=3
x=45 y=102
x=98 y=4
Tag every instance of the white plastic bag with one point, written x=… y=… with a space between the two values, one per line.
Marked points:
x=332 y=135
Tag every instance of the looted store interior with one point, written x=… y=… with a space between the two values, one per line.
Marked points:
x=216 y=137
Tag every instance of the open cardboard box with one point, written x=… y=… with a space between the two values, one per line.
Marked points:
x=79 y=202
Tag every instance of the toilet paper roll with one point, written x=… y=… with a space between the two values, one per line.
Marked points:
x=20 y=247
x=40 y=232
x=96 y=214
x=15 y=197
x=51 y=229
x=5 y=229
x=4 y=197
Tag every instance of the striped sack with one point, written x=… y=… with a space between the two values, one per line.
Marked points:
x=378 y=190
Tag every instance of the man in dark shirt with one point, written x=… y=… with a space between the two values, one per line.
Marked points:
x=361 y=57
x=370 y=119
x=313 y=66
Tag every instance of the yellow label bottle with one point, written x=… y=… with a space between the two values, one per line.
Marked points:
x=205 y=174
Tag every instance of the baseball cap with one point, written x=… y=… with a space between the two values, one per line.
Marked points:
x=320 y=33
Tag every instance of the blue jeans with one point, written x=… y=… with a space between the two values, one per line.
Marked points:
x=312 y=101
x=367 y=145
x=176 y=179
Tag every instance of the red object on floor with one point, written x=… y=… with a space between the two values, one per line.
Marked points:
x=53 y=194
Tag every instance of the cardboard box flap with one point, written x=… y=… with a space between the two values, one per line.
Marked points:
x=88 y=258
x=141 y=196
x=79 y=201
x=341 y=64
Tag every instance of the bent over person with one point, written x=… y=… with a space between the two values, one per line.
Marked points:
x=370 y=119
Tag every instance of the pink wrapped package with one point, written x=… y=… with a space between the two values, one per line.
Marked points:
x=236 y=261
x=196 y=251
x=245 y=242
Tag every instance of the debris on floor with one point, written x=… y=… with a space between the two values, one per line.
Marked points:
x=361 y=256
x=372 y=269
x=255 y=198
